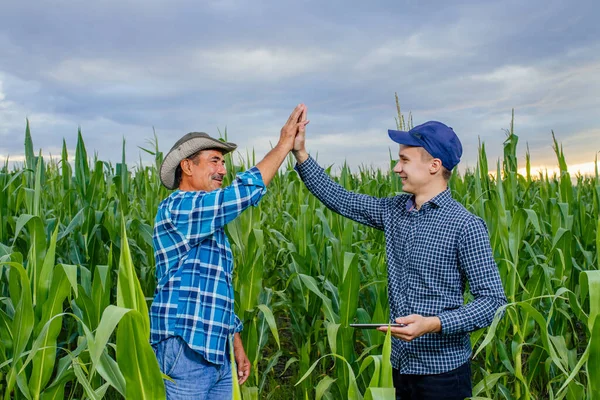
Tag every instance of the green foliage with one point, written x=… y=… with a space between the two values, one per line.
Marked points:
x=77 y=273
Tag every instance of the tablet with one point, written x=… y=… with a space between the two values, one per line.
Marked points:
x=375 y=326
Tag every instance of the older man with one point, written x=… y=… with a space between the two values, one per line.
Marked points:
x=193 y=324
x=434 y=246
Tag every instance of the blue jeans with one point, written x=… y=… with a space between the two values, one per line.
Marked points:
x=195 y=378
x=451 y=385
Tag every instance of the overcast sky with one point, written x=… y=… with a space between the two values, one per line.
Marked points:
x=120 y=68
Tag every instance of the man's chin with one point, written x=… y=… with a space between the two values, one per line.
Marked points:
x=407 y=188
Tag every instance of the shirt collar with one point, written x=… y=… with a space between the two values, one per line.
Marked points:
x=439 y=200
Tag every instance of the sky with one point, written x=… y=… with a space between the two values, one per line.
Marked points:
x=128 y=68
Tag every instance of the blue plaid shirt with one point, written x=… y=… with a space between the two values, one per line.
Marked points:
x=194 y=264
x=431 y=253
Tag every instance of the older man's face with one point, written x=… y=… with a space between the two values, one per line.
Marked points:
x=207 y=171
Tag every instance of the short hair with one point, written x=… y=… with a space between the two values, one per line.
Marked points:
x=425 y=156
x=446 y=173
x=179 y=171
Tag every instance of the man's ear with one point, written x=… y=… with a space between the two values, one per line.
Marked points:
x=435 y=166
x=185 y=166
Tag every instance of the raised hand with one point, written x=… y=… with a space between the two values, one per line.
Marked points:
x=299 y=148
x=299 y=141
x=296 y=122
x=269 y=165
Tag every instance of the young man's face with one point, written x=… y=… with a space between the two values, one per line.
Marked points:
x=414 y=167
x=207 y=170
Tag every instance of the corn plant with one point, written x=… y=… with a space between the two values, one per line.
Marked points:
x=77 y=273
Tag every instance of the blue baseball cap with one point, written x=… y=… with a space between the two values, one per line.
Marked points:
x=438 y=139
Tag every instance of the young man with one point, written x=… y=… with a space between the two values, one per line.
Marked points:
x=192 y=317
x=434 y=246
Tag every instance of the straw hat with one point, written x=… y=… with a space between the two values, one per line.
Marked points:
x=185 y=147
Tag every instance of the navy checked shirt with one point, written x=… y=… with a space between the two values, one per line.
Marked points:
x=194 y=264
x=431 y=254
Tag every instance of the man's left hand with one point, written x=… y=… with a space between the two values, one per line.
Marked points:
x=241 y=359
x=416 y=326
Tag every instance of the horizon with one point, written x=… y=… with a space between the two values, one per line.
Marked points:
x=586 y=169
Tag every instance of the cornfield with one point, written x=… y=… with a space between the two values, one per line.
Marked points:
x=77 y=275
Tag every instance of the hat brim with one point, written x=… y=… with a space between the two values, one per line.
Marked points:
x=403 y=137
x=186 y=149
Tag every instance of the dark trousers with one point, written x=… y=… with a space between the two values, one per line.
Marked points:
x=451 y=385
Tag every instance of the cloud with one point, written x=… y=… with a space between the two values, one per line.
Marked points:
x=120 y=68
x=98 y=71
x=544 y=87
x=260 y=64
x=399 y=51
x=514 y=74
x=9 y=114
x=196 y=68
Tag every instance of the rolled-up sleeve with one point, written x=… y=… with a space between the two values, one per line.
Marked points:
x=239 y=325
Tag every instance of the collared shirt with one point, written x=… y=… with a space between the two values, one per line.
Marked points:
x=431 y=254
x=194 y=265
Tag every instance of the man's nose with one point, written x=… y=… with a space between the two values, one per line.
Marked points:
x=398 y=168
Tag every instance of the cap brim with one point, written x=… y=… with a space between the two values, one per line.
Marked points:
x=186 y=149
x=403 y=137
